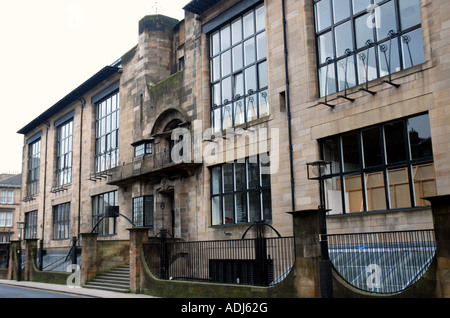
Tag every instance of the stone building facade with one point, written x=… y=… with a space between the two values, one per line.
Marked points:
x=207 y=124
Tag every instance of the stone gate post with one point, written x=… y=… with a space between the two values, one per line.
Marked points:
x=138 y=237
x=441 y=219
x=30 y=251
x=88 y=257
x=307 y=247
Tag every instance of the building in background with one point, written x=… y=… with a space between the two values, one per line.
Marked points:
x=10 y=186
x=206 y=125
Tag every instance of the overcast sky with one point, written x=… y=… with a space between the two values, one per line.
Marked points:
x=50 y=47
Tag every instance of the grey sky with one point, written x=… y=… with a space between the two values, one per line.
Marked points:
x=50 y=47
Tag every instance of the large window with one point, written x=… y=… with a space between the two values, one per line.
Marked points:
x=239 y=71
x=101 y=205
x=240 y=192
x=34 y=162
x=361 y=40
x=61 y=217
x=143 y=211
x=64 y=154
x=389 y=166
x=31 y=225
x=6 y=219
x=107 y=133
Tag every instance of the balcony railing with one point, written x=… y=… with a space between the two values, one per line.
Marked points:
x=152 y=165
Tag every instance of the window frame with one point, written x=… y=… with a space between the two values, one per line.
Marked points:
x=31 y=225
x=6 y=218
x=261 y=188
x=7 y=197
x=146 y=211
x=356 y=52
x=385 y=168
x=108 y=225
x=61 y=221
x=107 y=112
x=64 y=153
x=236 y=80
x=34 y=163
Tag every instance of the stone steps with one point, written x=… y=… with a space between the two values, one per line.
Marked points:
x=117 y=279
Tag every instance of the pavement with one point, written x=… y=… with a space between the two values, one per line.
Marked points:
x=80 y=291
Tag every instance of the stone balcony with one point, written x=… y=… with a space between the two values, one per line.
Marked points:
x=151 y=166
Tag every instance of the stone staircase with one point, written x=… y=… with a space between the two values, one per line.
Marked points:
x=117 y=280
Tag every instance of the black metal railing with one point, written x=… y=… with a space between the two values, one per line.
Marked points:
x=258 y=262
x=382 y=262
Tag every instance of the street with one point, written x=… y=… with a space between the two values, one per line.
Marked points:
x=24 y=292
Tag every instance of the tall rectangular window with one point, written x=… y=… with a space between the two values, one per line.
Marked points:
x=31 y=225
x=61 y=218
x=34 y=162
x=143 y=211
x=107 y=133
x=64 y=154
x=239 y=86
x=361 y=40
x=103 y=224
x=240 y=192
x=384 y=167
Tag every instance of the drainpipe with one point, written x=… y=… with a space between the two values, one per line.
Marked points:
x=288 y=108
x=41 y=246
x=83 y=103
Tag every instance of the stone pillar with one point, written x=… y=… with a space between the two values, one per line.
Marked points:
x=88 y=257
x=307 y=247
x=441 y=219
x=138 y=237
x=13 y=252
x=30 y=257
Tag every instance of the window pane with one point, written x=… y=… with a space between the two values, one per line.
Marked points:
x=353 y=194
x=412 y=48
x=395 y=142
x=215 y=69
x=375 y=191
x=362 y=31
x=240 y=171
x=387 y=20
x=360 y=5
x=227 y=116
x=216 y=208
x=227 y=94
x=372 y=147
x=350 y=151
x=409 y=13
x=325 y=47
x=239 y=112
x=249 y=51
x=260 y=18
x=217 y=119
x=389 y=57
x=367 y=66
x=323 y=15
x=267 y=205
x=225 y=40
x=216 y=96
x=346 y=73
x=261 y=45
x=250 y=80
x=331 y=153
x=399 y=188
x=424 y=183
x=420 y=137
x=254 y=200
x=253 y=174
x=264 y=103
x=343 y=38
x=341 y=9
x=262 y=75
x=228 y=208
x=249 y=24
x=241 y=207
x=237 y=57
x=252 y=107
x=327 y=80
x=228 y=184
x=333 y=195
x=216 y=177
x=226 y=63
x=236 y=31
